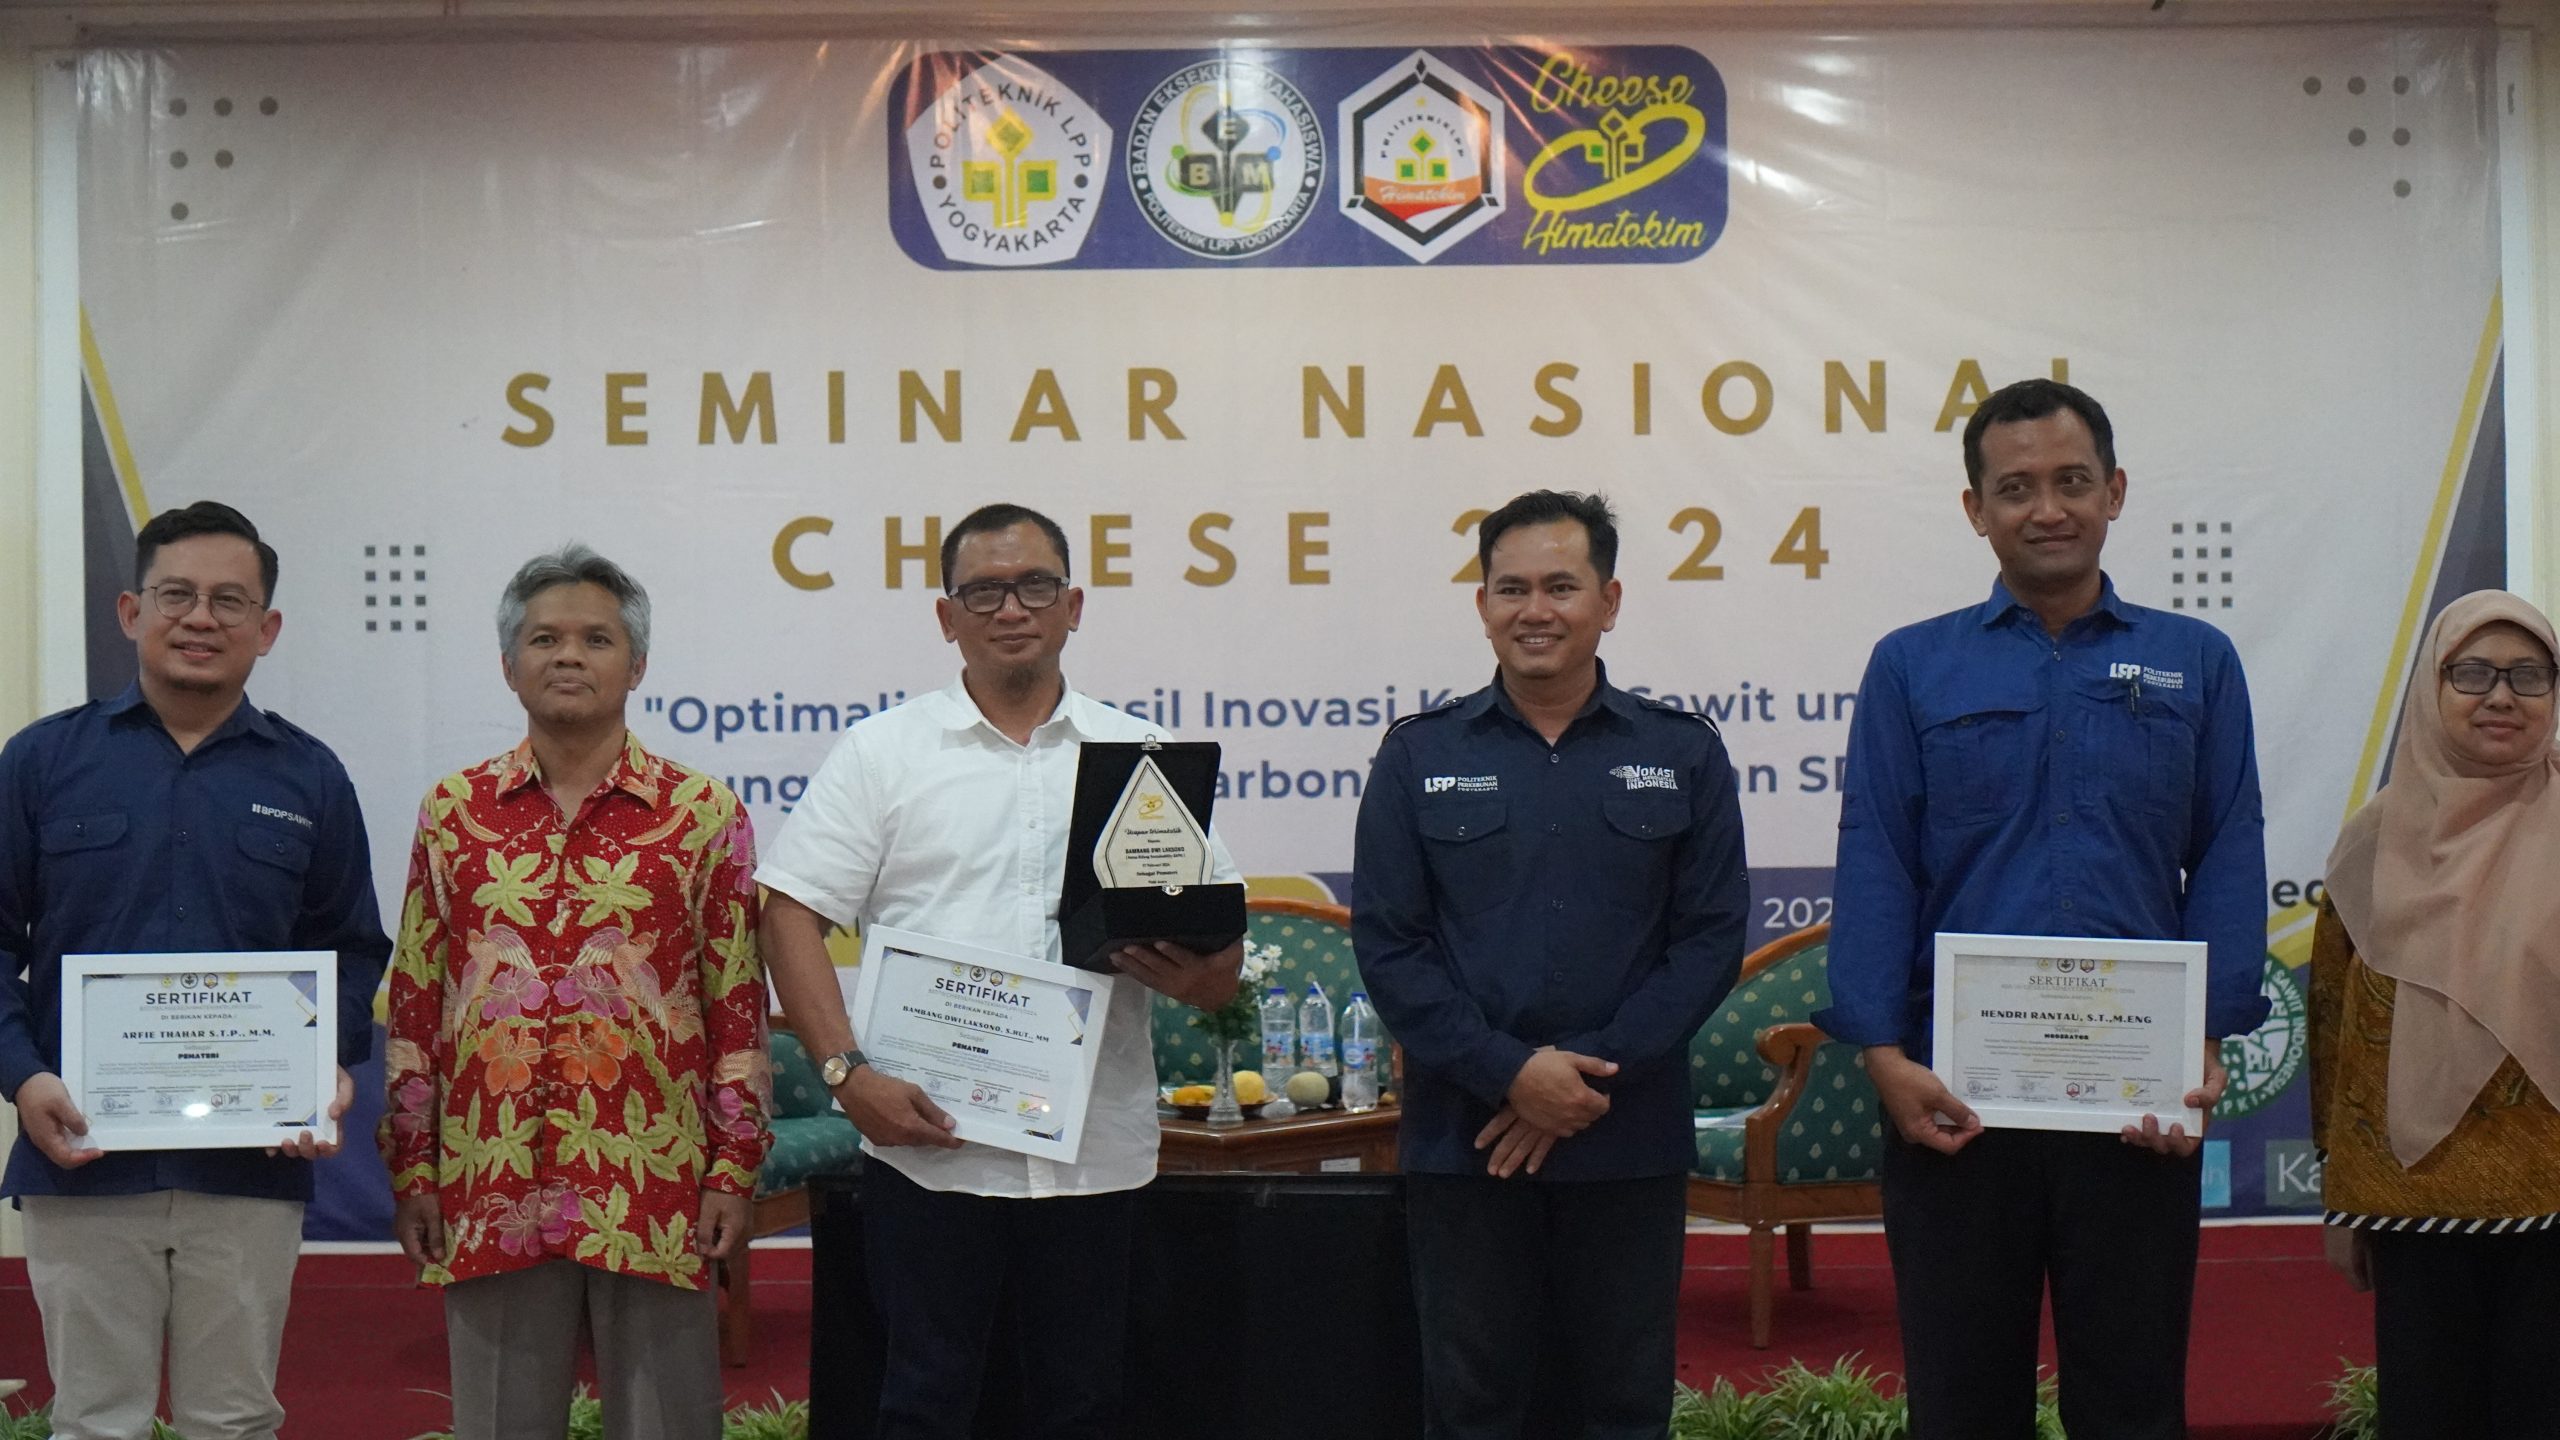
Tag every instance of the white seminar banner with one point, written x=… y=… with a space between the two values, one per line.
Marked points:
x=1266 y=325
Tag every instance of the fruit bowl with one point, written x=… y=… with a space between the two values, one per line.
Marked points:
x=1200 y=1110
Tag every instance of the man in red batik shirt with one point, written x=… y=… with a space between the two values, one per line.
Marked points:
x=577 y=1062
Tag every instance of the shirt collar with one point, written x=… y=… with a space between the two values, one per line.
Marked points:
x=958 y=709
x=2002 y=603
x=638 y=773
x=1604 y=696
x=245 y=718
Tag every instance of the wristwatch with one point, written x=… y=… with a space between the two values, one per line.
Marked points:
x=839 y=1068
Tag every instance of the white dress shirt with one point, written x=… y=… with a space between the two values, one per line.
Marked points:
x=928 y=818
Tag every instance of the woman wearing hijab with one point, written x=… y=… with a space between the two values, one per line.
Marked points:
x=2435 y=1038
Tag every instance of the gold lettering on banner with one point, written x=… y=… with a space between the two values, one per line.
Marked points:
x=1966 y=391
x=1737 y=397
x=1104 y=548
x=1711 y=397
x=1044 y=405
x=621 y=406
x=1305 y=547
x=720 y=408
x=1471 y=573
x=1222 y=566
x=895 y=552
x=1710 y=535
x=1352 y=414
x=914 y=400
x=789 y=569
x=1447 y=404
x=1151 y=393
x=538 y=423
x=1550 y=388
x=1838 y=388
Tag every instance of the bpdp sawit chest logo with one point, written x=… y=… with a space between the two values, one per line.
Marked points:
x=1007 y=164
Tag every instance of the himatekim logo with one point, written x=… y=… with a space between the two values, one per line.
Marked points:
x=1422 y=156
x=1007 y=164
x=1226 y=158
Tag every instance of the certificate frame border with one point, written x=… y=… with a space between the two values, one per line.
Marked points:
x=877 y=940
x=2190 y=954
x=146 y=1134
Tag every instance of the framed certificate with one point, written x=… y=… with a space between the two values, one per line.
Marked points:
x=1005 y=1045
x=2048 y=1033
x=201 y=1051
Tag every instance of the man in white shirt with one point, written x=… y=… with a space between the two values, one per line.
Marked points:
x=948 y=815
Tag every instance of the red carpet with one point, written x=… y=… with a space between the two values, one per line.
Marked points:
x=2273 y=1324
x=364 y=1353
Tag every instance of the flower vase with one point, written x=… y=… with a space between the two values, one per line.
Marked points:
x=1223 y=1109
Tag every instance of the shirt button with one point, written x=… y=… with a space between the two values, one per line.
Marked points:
x=1557 y=976
x=1555 y=829
x=1554 y=759
x=182 y=912
x=2066 y=904
x=182 y=837
x=2058 y=735
x=1462 y=829
x=1556 y=904
x=2062 y=817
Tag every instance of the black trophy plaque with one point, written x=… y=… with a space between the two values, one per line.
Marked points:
x=1138 y=856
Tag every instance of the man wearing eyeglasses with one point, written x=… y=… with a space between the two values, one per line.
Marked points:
x=2052 y=761
x=175 y=817
x=948 y=815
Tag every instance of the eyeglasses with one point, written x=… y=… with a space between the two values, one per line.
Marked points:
x=2479 y=677
x=177 y=602
x=986 y=597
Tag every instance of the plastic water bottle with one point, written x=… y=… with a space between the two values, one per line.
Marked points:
x=1279 y=1036
x=1315 y=1032
x=1360 y=1032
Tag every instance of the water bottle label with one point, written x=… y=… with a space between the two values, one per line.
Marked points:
x=1359 y=1054
x=1276 y=1052
x=1318 y=1048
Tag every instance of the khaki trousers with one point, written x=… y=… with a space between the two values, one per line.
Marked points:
x=514 y=1343
x=120 y=1278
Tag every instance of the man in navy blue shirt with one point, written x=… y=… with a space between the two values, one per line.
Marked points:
x=176 y=817
x=1548 y=900
x=2053 y=761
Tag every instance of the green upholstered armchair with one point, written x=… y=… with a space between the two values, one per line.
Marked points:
x=810 y=1137
x=1315 y=944
x=1789 y=1131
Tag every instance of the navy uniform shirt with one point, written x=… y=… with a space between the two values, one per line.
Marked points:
x=2101 y=783
x=1508 y=894
x=113 y=841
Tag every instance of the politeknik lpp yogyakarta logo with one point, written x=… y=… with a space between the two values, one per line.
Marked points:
x=1422 y=156
x=1007 y=164
x=1226 y=158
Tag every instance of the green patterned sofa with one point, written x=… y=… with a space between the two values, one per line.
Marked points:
x=1789 y=1131
x=810 y=1137
x=1314 y=941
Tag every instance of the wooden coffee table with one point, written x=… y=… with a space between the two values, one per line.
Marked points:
x=1323 y=1141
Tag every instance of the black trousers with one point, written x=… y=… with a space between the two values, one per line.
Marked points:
x=1506 y=1272
x=2467 y=1332
x=1976 y=1239
x=939 y=1262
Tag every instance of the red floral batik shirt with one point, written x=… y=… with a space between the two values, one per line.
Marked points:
x=577 y=1018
